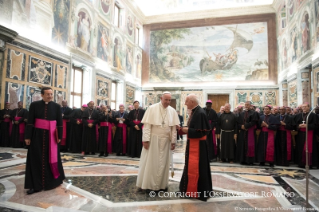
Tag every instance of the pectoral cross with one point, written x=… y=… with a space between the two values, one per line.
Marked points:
x=226 y=120
x=89 y=117
x=303 y=122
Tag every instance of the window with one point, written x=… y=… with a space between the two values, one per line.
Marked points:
x=76 y=87
x=113 y=96
x=116 y=15
x=137 y=35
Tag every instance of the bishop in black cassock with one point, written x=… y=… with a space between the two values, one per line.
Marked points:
x=246 y=124
x=284 y=143
x=66 y=112
x=90 y=119
x=18 y=116
x=300 y=120
x=135 y=117
x=227 y=132
x=6 y=126
x=213 y=149
x=120 y=138
x=76 y=129
x=268 y=124
x=105 y=132
x=44 y=169
x=196 y=178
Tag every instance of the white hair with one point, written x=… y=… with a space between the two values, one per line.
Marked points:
x=193 y=98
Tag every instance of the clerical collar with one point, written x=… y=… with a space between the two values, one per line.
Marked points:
x=195 y=108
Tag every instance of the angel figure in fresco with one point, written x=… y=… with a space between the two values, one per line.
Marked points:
x=83 y=31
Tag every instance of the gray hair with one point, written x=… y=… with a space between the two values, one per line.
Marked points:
x=193 y=97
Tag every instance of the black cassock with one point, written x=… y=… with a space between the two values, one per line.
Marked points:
x=76 y=131
x=38 y=174
x=284 y=143
x=66 y=118
x=90 y=135
x=301 y=140
x=227 y=128
x=119 y=144
x=196 y=174
x=135 y=140
x=213 y=151
x=266 y=141
x=17 y=138
x=246 y=139
x=105 y=133
x=6 y=124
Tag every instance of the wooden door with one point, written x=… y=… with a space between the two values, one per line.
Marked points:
x=218 y=100
x=173 y=103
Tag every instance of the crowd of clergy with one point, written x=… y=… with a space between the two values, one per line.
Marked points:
x=246 y=134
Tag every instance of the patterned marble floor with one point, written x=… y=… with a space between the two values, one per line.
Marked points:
x=108 y=184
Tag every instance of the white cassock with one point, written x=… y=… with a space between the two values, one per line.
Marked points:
x=153 y=171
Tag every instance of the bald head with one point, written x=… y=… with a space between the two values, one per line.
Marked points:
x=64 y=103
x=191 y=101
x=227 y=108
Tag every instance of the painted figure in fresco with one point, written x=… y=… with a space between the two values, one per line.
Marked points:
x=117 y=55
x=59 y=97
x=305 y=33
x=138 y=66
x=284 y=52
x=129 y=60
x=129 y=25
x=104 y=43
x=294 y=45
x=105 y=4
x=84 y=31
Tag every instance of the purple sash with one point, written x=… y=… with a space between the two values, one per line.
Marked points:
x=21 y=129
x=109 y=135
x=53 y=145
x=270 y=150
x=251 y=142
x=310 y=141
x=214 y=139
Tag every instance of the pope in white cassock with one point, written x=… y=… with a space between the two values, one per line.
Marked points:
x=159 y=136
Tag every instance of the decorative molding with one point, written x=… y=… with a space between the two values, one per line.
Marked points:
x=6 y=34
x=208 y=14
x=33 y=46
x=292 y=77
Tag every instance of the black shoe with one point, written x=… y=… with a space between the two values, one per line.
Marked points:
x=243 y=163
x=261 y=164
x=31 y=191
x=106 y=154
x=123 y=154
x=92 y=153
x=101 y=154
x=117 y=154
x=271 y=165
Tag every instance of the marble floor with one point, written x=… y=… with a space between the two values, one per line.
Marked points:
x=108 y=184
